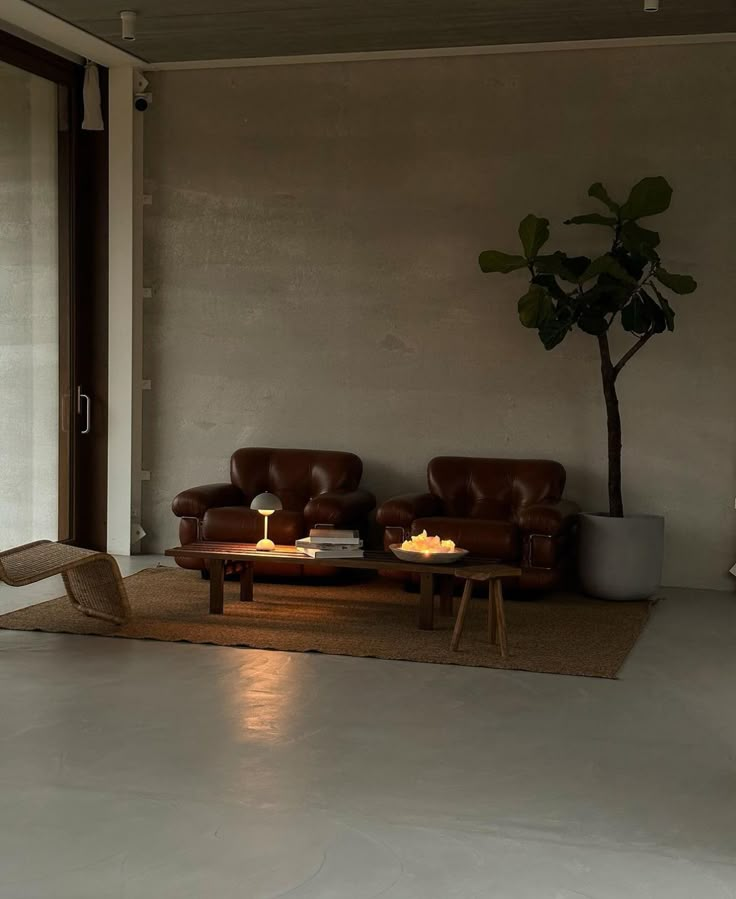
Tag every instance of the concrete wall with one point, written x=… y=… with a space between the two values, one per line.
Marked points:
x=29 y=363
x=313 y=244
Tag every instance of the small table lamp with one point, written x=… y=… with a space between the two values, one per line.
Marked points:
x=266 y=504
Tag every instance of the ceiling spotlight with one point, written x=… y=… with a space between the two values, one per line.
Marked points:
x=127 y=19
x=651 y=5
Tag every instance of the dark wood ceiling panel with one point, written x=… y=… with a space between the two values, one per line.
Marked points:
x=192 y=29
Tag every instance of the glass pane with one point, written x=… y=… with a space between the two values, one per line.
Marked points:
x=29 y=309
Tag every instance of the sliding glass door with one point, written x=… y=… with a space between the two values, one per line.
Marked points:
x=53 y=302
x=35 y=378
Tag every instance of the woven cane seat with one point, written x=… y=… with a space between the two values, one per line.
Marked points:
x=92 y=579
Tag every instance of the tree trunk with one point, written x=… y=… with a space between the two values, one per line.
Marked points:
x=613 y=416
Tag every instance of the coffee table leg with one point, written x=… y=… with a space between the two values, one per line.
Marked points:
x=426 y=602
x=447 y=584
x=217 y=586
x=500 y=616
x=246 y=584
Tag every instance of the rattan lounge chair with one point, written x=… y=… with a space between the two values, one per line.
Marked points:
x=93 y=581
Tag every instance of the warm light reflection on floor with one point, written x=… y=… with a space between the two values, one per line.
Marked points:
x=264 y=700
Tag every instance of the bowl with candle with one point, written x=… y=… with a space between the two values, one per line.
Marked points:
x=429 y=550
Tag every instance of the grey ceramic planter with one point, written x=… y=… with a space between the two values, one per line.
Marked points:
x=620 y=558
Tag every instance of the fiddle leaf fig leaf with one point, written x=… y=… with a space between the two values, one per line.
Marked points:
x=593 y=218
x=677 y=283
x=657 y=319
x=535 y=307
x=649 y=197
x=593 y=323
x=667 y=310
x=606 y=297
x=495 y=261
x=553 y=330
x=599 y=192
x=633 y=263
x=607 y=265
x=534 y=233
x=636 y=317
x=569 y=268
x=669 y=315
x=549 y=282
x=577 y=265
x=637 y=239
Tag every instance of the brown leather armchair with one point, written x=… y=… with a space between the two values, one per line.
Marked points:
x=314 y=486
x=507 y=509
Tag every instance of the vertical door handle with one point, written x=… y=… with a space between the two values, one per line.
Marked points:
x=84 y=398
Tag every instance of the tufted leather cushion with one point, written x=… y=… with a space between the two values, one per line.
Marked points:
x=495 y=539
x=294 y=475
x=239 y=524
x=493 y=488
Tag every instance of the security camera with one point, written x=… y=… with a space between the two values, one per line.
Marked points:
x=142 y=102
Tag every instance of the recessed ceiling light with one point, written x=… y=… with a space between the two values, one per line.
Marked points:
x=651 y=5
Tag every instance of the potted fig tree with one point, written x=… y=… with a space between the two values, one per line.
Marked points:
x=620 y=556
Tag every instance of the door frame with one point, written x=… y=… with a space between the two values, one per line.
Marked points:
x=83 y=292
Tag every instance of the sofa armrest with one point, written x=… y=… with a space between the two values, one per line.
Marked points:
x=193 y=503
x=550 y=519
x=400 y=511
x=344 y=508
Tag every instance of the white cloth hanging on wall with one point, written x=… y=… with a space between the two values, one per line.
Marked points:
x=91 y=99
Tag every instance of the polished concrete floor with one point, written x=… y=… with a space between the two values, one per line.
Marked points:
x=135 y=770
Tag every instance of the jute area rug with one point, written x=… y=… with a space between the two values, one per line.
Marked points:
x=559 y=634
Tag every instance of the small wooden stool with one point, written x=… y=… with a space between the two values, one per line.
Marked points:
x=496 y=614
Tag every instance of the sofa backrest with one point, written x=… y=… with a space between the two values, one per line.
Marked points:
x=294 y=475
x=493 y=488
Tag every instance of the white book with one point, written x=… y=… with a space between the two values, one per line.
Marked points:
x=333 y=553
x=309 y=543
x=325 y=534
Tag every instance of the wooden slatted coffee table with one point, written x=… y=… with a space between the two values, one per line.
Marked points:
x=433 y=579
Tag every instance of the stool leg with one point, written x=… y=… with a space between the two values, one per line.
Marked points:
x=500 y=616
x=492 y=613
x=460 y=621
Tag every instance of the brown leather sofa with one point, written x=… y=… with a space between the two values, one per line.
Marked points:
x=314 y=486
x=507 y=509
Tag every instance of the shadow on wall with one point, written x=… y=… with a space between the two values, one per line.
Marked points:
x=386 y=480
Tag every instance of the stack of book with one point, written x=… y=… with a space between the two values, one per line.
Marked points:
x=327 y=542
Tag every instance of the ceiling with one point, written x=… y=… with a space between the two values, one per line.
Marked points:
x=180 y=30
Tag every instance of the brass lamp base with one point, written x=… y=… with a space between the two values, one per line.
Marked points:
x=265 y=545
